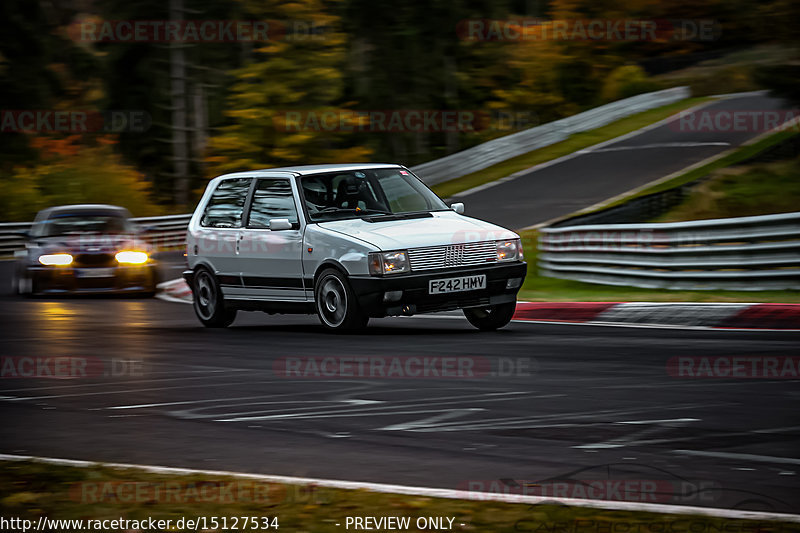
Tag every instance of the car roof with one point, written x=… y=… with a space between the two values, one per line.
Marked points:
x=80 y=208
x=304 y=170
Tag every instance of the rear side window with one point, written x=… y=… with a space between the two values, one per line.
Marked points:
x=224 y=209
x=272 y=198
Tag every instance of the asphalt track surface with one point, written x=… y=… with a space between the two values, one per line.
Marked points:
x=593 y=176
x=566 y=403
x=560 y=405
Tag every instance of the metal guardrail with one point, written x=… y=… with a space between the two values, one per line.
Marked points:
x=163 y=233
x=498 y=150
x=745 y=253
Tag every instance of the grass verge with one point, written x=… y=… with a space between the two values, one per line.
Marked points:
x=542 y=289
x=575 y=142
x=29 y=490
x=740 y=191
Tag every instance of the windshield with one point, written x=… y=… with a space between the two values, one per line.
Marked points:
x=81 y=223
x=357 y=193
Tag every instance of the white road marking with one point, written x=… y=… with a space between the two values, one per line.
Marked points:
x=633 y=439
x=431 y=421
x=536 y=421
x=663 y=179
x=659 y=421
x=429 y=491
x=654 y=145
x=127 y=391
x=741 y=456
x=383 y=410
x=572 y=155
x=133 y=382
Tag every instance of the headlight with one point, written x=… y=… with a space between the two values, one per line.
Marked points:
x=510 y=250
x=131 y=258
x=381 y=263
x=55 y=259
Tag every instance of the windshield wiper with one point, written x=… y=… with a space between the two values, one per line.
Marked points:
x=397 y=216
x=349 y=210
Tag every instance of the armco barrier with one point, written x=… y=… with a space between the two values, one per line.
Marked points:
x=164 y=233
x=745 y=253
x=498 y=150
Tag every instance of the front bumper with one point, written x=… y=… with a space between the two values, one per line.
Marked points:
x=415 y=299
x=67 y=280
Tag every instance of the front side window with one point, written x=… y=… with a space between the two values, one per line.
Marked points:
x=272 y=198
x=356 y=193
x=225 y=207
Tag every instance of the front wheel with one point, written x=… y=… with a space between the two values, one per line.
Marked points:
x=23 y=284
x=336 y=304
x=492 y=317
x=209 y=305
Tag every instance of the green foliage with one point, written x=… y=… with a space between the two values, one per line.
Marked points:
x=300 y=73
x=626 y=81
x=70 y=174
x=368 y=55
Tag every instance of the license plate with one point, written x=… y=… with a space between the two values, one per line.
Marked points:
x=463 y=283
x=95 y=272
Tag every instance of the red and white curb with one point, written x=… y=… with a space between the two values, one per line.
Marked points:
x=175 y=290
x=432 y=492
x=676 y=315
x=679 y=315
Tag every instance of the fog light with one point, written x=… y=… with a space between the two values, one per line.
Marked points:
x=392 y=296
x=513 y=283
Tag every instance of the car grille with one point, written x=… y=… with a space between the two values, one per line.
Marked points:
x=453 y=255
x=94 y=260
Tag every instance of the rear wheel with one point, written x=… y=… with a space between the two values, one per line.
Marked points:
x=492 y=317
x=336 y=304
x=209 y=305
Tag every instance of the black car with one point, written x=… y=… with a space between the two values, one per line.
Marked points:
x=84 y=249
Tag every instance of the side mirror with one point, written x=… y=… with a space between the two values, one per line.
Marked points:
x=276 y=224
x=458 y=207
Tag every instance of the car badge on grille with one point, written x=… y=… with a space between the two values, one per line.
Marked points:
x=454 y=255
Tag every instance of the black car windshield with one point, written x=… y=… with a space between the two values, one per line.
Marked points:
x=358 y=193
x=81 y=223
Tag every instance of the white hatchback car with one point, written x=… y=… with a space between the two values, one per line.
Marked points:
x=347 y=242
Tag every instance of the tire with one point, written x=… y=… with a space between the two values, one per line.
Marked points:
x=23 y=284
x=492 y=317
x=336 y=304
x=208 y=302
